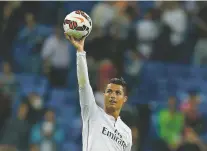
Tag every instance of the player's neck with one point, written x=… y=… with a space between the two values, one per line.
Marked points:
x=115 y=114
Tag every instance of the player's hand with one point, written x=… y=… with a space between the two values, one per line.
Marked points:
x=78 y=44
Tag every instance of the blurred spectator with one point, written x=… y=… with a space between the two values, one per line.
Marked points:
x=36 y=108
x=102 y=15
x=16 y=130
x=170 y=44
x=57 y=59
x=143 y=124
x=120 y=34
x=200 y=20
x=133 y=64
x=34 y=147
x=47 y=134
x=106 y=71
x=119 y=26
x=121 y=5
x=48 y=9
x=5 y=110
x=131 y=9
x=98 y=48
x=193 y=118
x=7 y=148
x=29 y=42
x=8 y=82
x=191 y=142
x=135 y=137
x=147 y=31
x=191 y=7
x=171 y=123
x=110 y=31
x=10 y=15
x=172 y=12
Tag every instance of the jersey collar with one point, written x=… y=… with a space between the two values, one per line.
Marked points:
x=112 y=118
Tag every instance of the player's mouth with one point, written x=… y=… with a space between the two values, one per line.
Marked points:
x=112 y=102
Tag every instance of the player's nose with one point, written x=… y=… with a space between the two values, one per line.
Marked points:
x=113 y=95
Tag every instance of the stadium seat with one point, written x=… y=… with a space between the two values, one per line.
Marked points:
x=154 y=130
x=41 y=86
x=26 y=79
x=204 y=138
x=79 y=5
x=72 y=97
x=72 y=79
x=202 y=106
x=70 y=146
x=16 y=102
x=58 y=96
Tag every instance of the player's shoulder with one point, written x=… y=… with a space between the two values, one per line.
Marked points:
x=101 y=110
x=127 y=131
x=125 y=127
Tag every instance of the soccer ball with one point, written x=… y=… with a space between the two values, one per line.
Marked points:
x=77 y=24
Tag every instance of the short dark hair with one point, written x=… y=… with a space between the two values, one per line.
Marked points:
x=119 y=81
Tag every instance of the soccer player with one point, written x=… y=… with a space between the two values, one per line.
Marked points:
x=103 y=130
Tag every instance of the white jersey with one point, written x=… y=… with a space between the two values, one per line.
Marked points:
x=101 y=132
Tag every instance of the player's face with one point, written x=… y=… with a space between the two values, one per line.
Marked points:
x=114 y=97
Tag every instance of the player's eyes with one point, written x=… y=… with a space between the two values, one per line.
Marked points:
x=109 y=91
x=118 y=93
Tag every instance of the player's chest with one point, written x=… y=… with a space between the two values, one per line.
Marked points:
x=112 y=133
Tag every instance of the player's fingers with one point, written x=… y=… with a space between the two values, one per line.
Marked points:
x=83 y=39
x=66 y=36
x=72 y=39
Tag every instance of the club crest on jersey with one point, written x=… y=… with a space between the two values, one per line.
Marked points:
x=116 y=136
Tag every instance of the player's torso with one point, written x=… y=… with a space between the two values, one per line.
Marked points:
x=103 y=133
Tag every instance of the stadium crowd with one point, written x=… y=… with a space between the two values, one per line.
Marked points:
x=159 y=47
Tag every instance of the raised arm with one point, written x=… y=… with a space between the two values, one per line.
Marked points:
x=87 y=99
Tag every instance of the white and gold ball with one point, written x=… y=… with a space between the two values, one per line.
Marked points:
x=77 y=24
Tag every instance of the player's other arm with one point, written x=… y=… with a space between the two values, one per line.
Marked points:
x=87 y=100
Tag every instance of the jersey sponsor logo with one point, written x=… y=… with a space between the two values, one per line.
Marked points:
x=116 y=136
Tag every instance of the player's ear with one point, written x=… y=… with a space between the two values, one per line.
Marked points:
x=125 y=99
x=104 y=92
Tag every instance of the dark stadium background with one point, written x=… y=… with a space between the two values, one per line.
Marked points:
x=158 y=47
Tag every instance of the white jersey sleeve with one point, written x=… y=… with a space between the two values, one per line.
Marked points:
x=87 y=99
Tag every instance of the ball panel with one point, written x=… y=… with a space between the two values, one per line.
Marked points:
x=77 y=24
